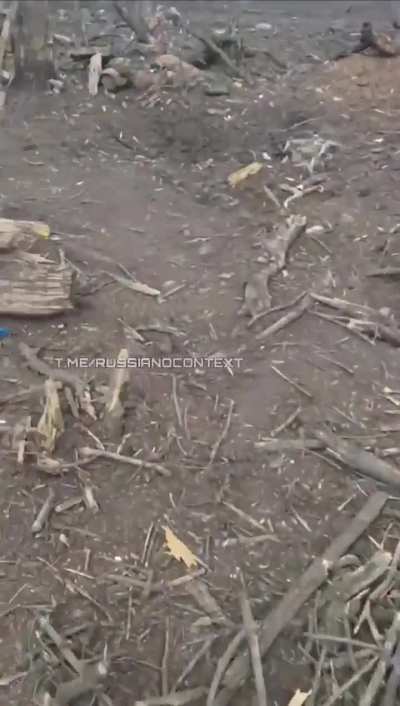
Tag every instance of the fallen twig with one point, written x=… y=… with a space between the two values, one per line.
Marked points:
x=44 y=513
x=222 y=665
x=378 y=677
x=385 y=272
x=210 y=44
x=291 y=316
x=139 y=287
x=114 y=409
x=164 y=662
x=278 y=445
x=88 y=452
x=362 y=461
x=178 y=698
x=303 y=589
x=39 y=366
x=222 y=436
x=295 y=384
x=197 y=657
x=198 y=589
x=254 y=647
x=350 y=682
x=176 y=402
x=286 y=423
x=275 y=309
x=20 y=394
x=393 y=682
x=257 y=297
x=349 y=308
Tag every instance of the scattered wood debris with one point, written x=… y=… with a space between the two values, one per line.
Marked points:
x=40 y=366
x=114 y=409
x=361 y=461
x=286 y=609
x=90 y=675
x=95 y=69
x=16 y=234
x=51 y=423
x=363 y=320
x=257 y=297
x=90 y=454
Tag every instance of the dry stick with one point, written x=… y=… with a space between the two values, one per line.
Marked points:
x=317 y=678
x=176 y=401
x=295 y=384
x=348 y=684
x=197 y=657
x=164 y=663
x=222 y=55
x=275 y=309
x=21 y=393
x=362 y=461
x=386 y=584
x=222 y=665
x=350 y=308
x=342 y=641
x=222 y=436
x=179 y=698
x=199 y=591
x=377 y=679
x=254 y=647
x=44 y=513
x=287 y=423
x=291 y=316
x=278 y=445
x=39 y=366
x=5 y=32
x=393 y=682
x=139 y=27
x=138 y=463
x=385 y=272
x=157 y=586
x=294 y=599
x=244 y=516
x=66 y=652
x=335 y=320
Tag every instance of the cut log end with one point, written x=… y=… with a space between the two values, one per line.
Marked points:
x=36 y=290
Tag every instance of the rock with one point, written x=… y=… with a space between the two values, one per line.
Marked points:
x=263 y=27
x=143 y=80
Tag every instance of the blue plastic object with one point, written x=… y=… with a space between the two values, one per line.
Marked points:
x=4 y=332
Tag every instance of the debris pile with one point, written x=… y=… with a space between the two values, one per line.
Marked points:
x=354 y=632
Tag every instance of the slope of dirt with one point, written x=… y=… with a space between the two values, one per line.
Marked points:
x=122 y=183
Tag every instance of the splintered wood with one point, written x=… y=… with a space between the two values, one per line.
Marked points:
x=35 y=290
x=114 y=410
x=51 y=423
x=95 y=69
x=257 y=297
x=14 y=234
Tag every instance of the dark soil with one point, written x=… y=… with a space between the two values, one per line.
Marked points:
x=146 y=187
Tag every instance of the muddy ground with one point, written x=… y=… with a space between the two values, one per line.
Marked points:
x=122 y=183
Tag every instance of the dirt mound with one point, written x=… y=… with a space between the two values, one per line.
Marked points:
x=361 y=82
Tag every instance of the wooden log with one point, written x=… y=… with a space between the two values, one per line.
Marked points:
x=14 y=234
x=35 y=290
x=361 y=461
x=6 y=31
x=86 y=53
x=34 y=61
